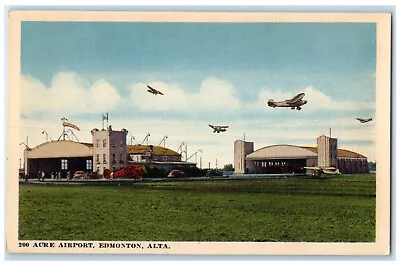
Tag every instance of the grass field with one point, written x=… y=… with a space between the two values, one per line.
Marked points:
x=328 y=210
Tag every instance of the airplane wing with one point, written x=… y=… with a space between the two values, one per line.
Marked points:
x=329 y=168
x=213 y=127
x=312 y=167
x=152 y=90
x=297 y=98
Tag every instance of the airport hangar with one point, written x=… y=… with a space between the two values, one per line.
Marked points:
x=108 y=150
x=281 y=159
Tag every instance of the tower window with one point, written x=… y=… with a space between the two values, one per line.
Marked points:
x=88 y=164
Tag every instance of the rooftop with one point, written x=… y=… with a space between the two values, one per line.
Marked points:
x=158 y=150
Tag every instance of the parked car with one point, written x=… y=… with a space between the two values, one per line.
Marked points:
x=176 y=173
x=80 y=175
x=214 y=173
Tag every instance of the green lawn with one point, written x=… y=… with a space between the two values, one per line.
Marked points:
x=336 y=209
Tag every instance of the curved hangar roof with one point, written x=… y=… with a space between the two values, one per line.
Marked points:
x=281 y=152
x=342 y=153
x=61 y=148
x=158 y=150
x=294 y=152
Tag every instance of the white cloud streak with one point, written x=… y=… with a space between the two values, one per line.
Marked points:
x=213 y=94
x=69 y=93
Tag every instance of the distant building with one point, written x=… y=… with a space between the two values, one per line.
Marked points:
x=327 y=151
x=241 y=150
x=146 y=153
x=109 y=149
x=156 y=157
x=277 y=159
x=58 y=157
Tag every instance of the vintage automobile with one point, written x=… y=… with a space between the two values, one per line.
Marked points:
x=176 y=173
x=81 y=175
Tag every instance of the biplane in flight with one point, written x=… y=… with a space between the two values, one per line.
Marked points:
x=154 y=91
x=218 y=129
x=293 y=103
x=362 y=120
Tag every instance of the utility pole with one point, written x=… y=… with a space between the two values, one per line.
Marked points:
x=47 y=136
x=146 y=139
x=181 y=149
x=132 y=138
x=163 y=140
x=195 y=154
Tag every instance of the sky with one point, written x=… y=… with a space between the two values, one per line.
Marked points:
x=210 y=73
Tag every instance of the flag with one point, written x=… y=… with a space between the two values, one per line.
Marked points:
x=68 y=124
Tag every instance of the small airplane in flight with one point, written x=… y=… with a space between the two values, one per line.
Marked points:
x=293 y=103
x=323 y=170
x=218 y=129
x=362 y=120
x=154 y=91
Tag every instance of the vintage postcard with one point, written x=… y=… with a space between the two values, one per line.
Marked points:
x=198 y=133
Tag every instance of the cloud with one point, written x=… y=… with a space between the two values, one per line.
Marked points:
x=316 y=100
x=213 y=94
x=69 y=93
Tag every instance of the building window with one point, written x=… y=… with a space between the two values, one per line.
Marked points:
x=120 y=158
x=120 y=144
x=104 y=142
x=98 y=158
x=114 y=144
x=64 y=164
x=88 y=164
x=113 y=158
x=104 y=159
